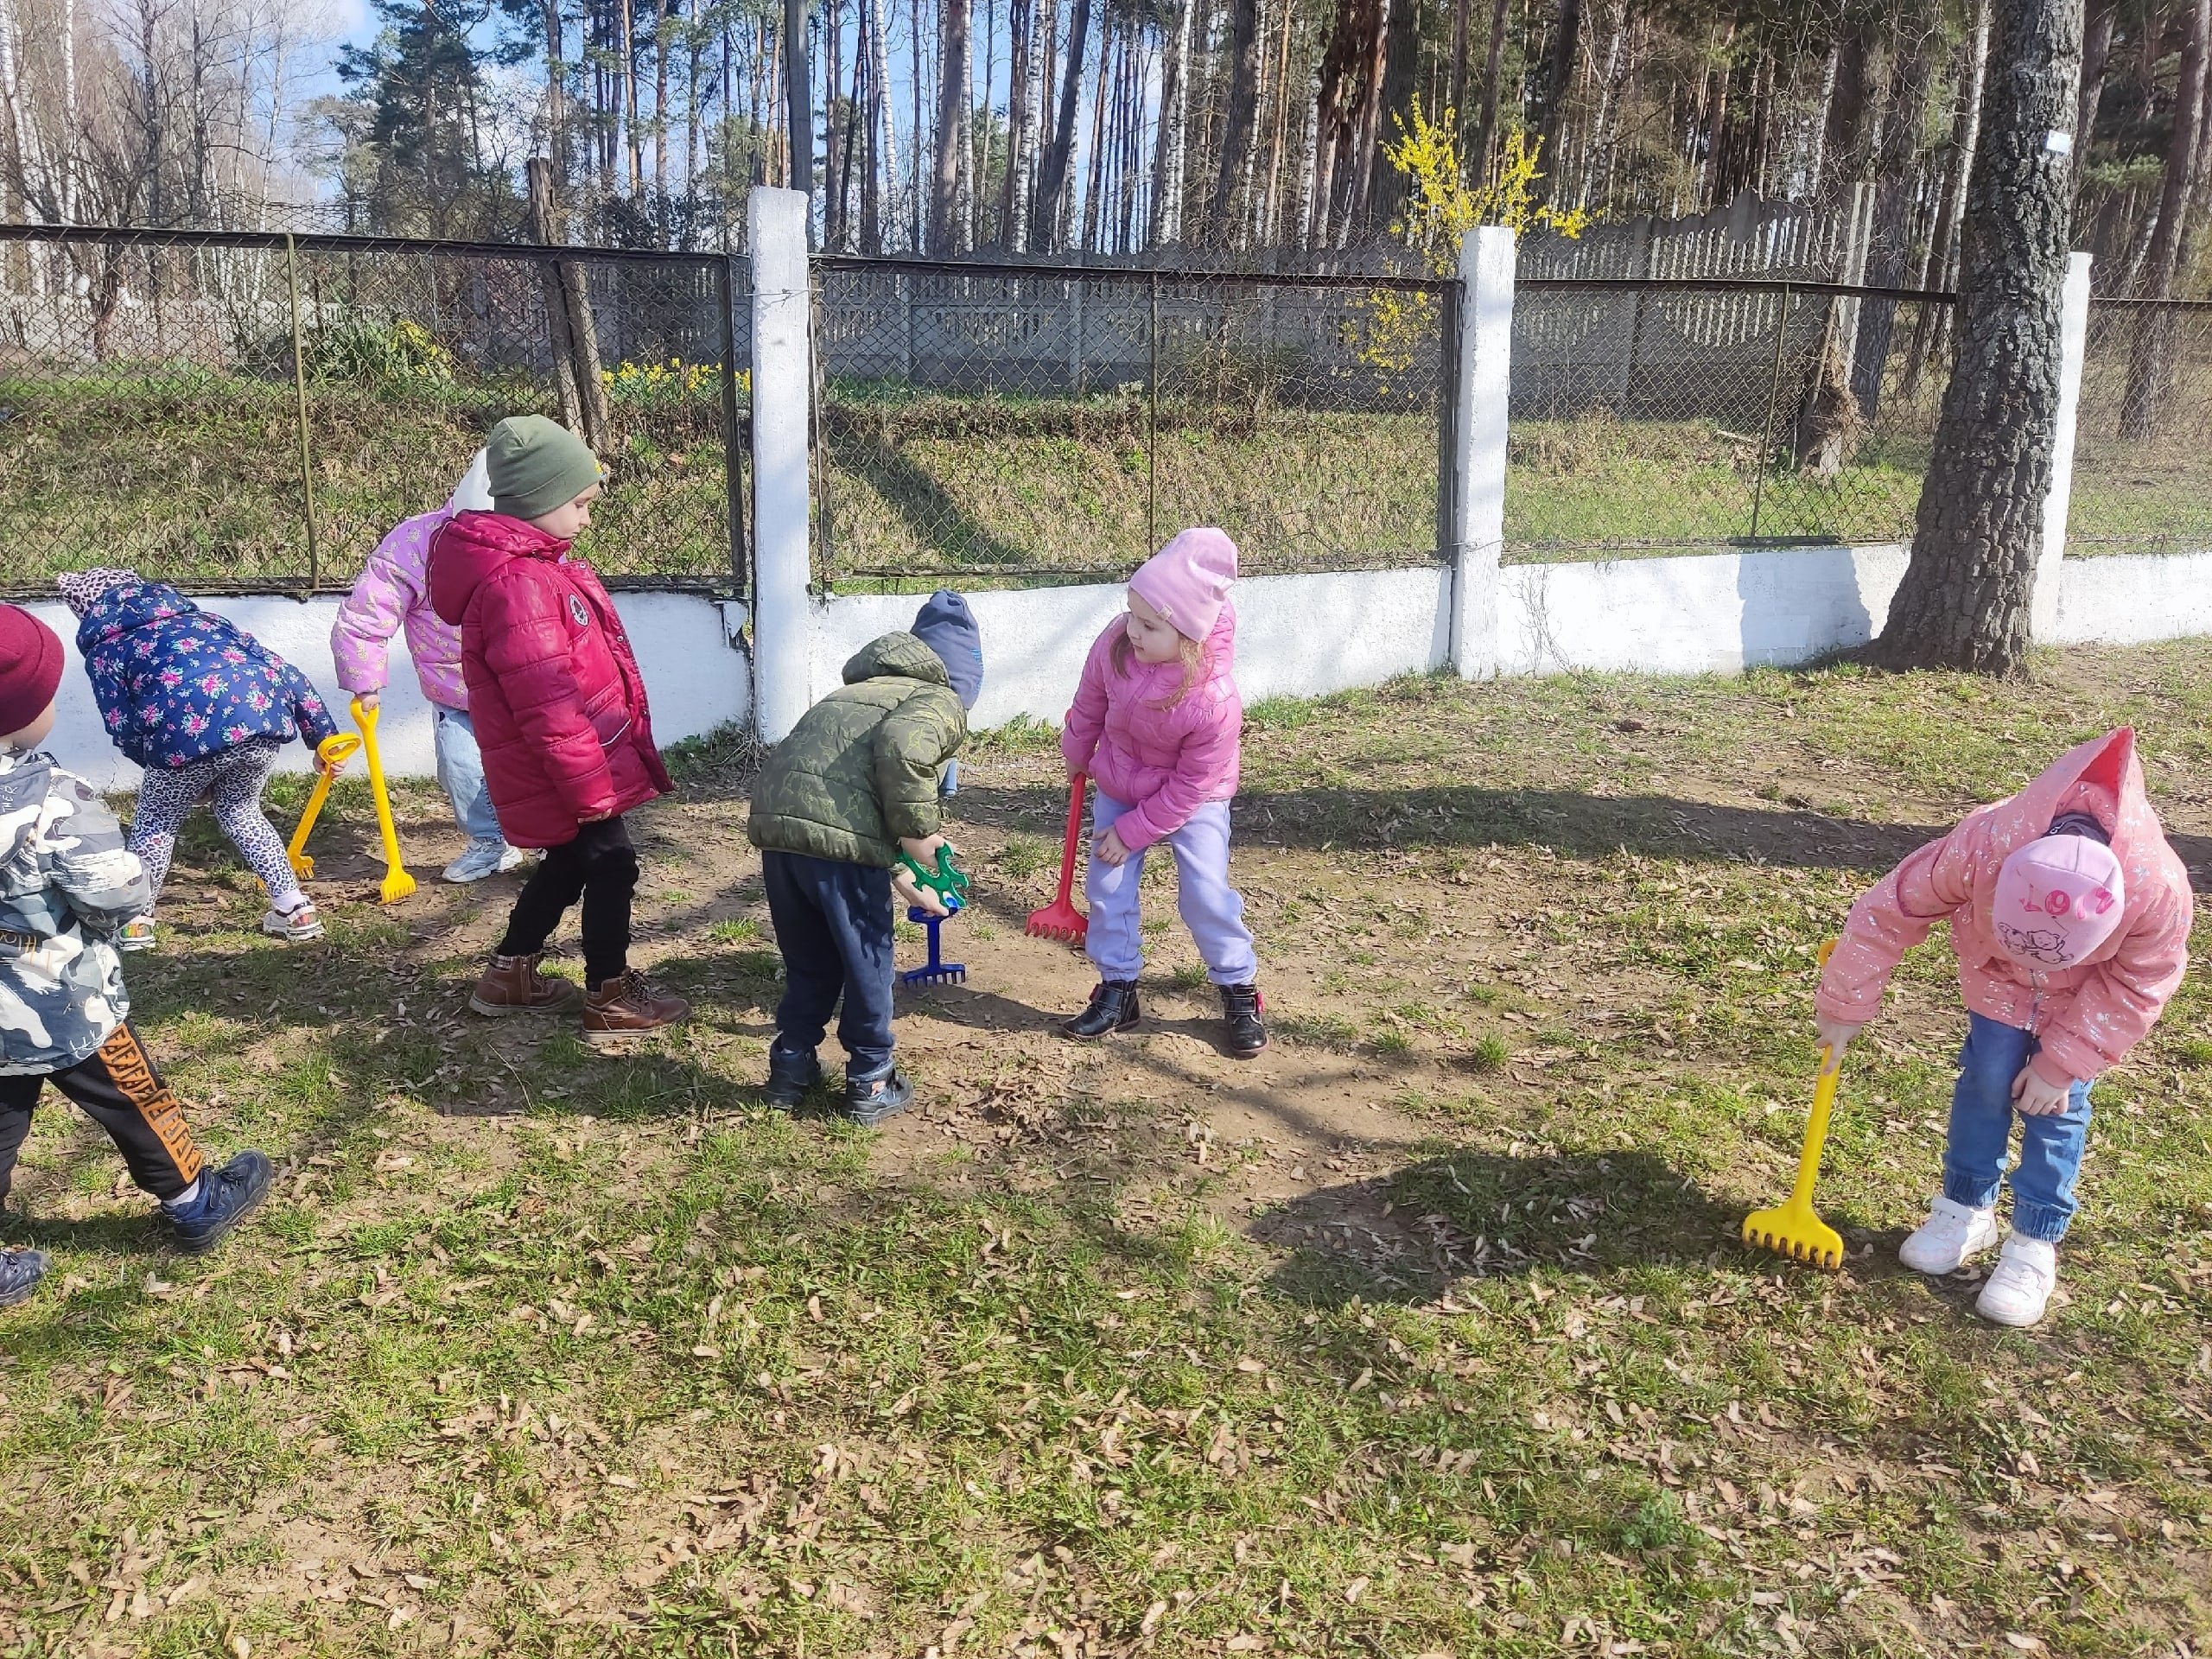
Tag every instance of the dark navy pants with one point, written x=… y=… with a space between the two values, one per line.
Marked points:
x=833 y=925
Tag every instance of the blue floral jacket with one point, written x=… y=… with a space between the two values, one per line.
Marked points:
x=176 y=683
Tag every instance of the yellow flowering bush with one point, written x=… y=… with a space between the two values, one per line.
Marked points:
x=672 y=381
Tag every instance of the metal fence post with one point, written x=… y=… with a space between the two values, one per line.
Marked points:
x=1480 y=397
x=782 y=396
x=733 y=467
x=299 y=394
x=1152 y=429
x=2074 y=339
x=1766 y=427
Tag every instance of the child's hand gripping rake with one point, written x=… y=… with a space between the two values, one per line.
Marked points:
x=1791 y=1227
x=330 y=756
x=1060 y=920
x=397 y=884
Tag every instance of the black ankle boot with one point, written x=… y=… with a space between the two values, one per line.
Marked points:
x=1113 y=1007
x=1241 y=1006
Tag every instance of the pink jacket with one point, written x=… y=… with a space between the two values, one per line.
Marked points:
x=394 y=591
x=1165 y=761
x=2089 y=1016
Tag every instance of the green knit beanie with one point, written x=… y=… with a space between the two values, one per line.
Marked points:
x=537 y=465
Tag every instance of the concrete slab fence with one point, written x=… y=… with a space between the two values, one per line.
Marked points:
x=711 y=663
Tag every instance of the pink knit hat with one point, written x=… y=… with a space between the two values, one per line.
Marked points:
x=2058 y=899
x=1187 y=580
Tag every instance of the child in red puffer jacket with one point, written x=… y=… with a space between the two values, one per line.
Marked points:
x=561 y=717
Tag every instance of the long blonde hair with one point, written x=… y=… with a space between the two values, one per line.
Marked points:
x=1192 y=655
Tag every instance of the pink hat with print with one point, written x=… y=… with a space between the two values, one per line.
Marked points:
x=2058 y=899
x=1187 y=580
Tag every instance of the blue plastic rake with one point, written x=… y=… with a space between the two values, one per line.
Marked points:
x=936 y=970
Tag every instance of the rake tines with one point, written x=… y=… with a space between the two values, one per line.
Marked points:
x=936 y=970
x=1060 y=920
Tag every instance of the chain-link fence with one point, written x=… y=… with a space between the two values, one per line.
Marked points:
x=236 y=411
x=2143 y=438
x=1014 y=425
x=1651 y=418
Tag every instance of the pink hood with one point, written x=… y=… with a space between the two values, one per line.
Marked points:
x=2089 y=1016
x=394 y=593
x=1164 y=760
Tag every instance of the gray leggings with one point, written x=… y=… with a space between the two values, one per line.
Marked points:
x=231 y=782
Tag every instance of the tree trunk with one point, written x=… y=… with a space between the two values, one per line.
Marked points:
x=799 y=98
x=1168 y=151
x=2096 y=48
x=582 y=394
x=2151 y=357
x=1270 y=232
x=1559 y=79
x=1243 y=96
x=1091 y=186
x=951 y=131
x=660 y=105
x=1457 y=101
x=1932 y=333
x=1964 y=602
x=1371 y=114
x=1017 y=115
x=1493 y=66
x=833 y=126
x=1051 y=188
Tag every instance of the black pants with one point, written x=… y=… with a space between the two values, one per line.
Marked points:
x=833 y=925
x=118 y=1086
x=601 y=867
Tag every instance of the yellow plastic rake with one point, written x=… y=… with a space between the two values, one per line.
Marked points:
x=333 y=752
x=1792 y=1227
x=397 y=884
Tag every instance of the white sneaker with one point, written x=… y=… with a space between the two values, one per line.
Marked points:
x=295 y=926
x=2020 y=1284
x=1952 y=1235
x=483 y=858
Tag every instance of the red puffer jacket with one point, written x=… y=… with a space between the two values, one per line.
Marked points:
x=554 y=690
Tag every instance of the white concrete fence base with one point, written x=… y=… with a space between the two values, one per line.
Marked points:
x=1297 y=636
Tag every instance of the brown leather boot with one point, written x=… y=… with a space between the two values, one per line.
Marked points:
x=513 y=985
x=631 y=1006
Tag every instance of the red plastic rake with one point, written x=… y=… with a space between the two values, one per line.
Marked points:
x=1060 y=920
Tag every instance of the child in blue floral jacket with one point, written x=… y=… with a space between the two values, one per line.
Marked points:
x=204 y=707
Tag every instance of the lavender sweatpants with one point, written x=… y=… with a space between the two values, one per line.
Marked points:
x=1212 y=910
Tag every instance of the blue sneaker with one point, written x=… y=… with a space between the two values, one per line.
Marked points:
x=789 y=1077
x=226 y=1197
x=868 y=1100
x=20 y=1271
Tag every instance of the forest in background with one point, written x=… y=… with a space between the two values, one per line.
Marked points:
x=1219 y=132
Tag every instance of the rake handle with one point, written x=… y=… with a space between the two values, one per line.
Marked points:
x=1078 y=786
x=1816 y=1128
x=365 y=718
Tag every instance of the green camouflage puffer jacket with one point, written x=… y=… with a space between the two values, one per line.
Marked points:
x=859 y=770
x=66 y=883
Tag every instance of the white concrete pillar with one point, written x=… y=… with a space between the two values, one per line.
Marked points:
x=1478 y=528
x=2073 y=345
x=783 y=618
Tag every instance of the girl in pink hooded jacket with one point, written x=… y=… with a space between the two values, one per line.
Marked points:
x=2071 y=917
x=394 y=593
x=1156 y=724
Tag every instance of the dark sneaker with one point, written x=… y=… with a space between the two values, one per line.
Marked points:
x=868 y=1100
x=226 y=1197
x=789 y=1077
x=513 y=985
x=631 y=1006
x=1242 y=1006
x=20 y=1272
x=1113 y=1007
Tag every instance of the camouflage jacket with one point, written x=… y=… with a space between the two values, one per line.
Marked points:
x=67 y=884
x=859 y=770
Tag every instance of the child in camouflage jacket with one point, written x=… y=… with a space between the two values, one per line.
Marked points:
x=67 y=884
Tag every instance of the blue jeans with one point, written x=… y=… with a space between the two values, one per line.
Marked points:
x=461 y=774
x=1982 y=1130
x=833 y=925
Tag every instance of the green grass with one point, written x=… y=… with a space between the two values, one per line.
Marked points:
x=636 y=1366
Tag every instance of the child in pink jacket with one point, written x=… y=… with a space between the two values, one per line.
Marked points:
x=394 y=592
x=2071 y=917
x=1156 y=724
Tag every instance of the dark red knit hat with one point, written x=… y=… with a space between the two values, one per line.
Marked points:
x=30 y=668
